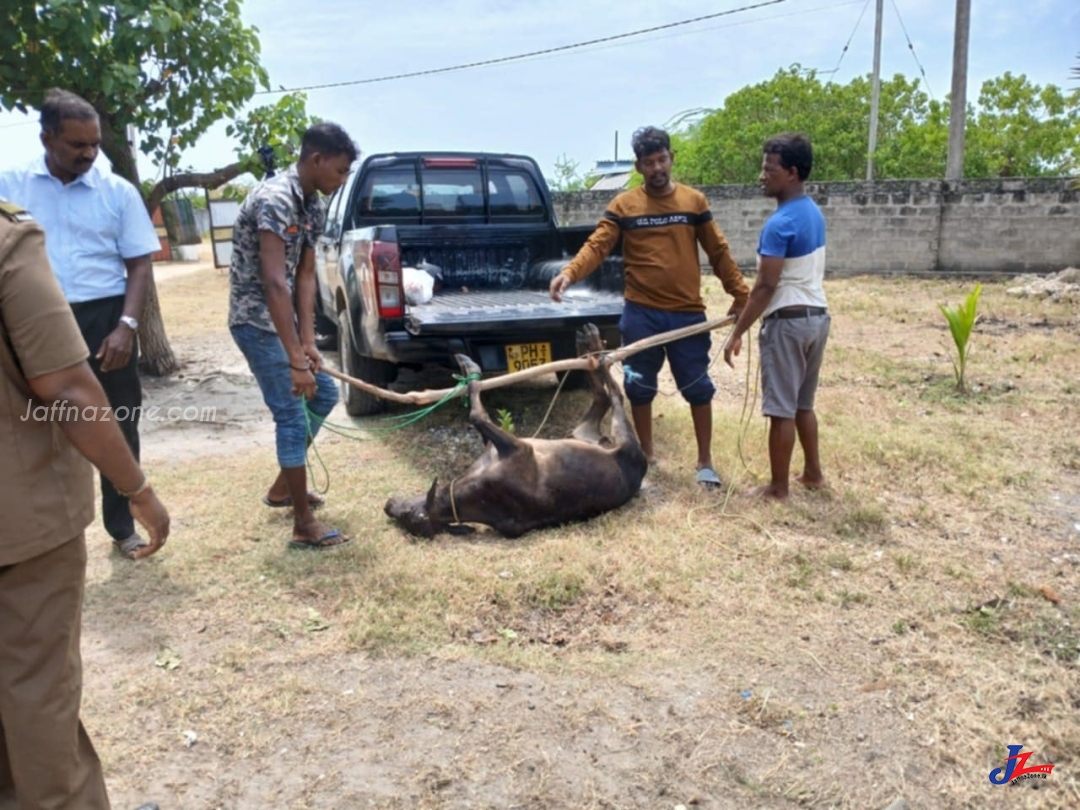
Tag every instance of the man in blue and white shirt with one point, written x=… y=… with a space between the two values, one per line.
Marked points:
x=789 y=297
x=99 y=238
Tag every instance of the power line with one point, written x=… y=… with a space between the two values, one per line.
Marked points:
x=738 y=23
x=847 y=44
x=517 y=57
x=912 y=48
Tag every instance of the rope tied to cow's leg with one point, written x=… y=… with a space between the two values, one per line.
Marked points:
x=453 y=502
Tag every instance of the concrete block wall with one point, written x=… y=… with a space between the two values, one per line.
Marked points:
x=905 y=226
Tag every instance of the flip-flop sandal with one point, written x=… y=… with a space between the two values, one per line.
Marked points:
x=332 y=539
x=314 y=501
x=708 y=478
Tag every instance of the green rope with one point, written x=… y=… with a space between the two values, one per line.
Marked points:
x=313 y=450
x=398 y=421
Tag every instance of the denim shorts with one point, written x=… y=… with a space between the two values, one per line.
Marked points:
x=269 y=363
x=791 y=354
x=688 y=358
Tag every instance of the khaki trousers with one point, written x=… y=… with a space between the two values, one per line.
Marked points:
x=46 y=759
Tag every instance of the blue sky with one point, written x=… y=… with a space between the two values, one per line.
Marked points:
x=573 y=103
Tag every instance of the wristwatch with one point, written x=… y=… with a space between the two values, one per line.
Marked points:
x=129 y=322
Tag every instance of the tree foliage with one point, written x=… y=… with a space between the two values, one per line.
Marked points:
x=1015 y=128
x=1020 y=129
x=279 y=125
x=169 y=69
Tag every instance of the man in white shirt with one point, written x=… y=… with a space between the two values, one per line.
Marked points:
x=99 y=238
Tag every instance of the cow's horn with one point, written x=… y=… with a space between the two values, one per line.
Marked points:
x=430 y=503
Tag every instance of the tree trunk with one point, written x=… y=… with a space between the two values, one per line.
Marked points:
x=156 y=356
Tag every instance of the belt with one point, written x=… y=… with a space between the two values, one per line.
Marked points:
x=108 y=300
x=796 y=312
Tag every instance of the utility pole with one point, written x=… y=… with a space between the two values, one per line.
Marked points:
x=954 y=166
x=875 y=91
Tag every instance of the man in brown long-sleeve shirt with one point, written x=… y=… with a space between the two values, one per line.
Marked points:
x=661 y=224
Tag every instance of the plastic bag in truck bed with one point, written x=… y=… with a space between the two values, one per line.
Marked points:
x=419 y=285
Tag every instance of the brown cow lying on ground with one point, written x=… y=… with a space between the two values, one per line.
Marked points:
x=518 y=485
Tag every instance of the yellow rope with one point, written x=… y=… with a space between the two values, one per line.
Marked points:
x=748 y=403
x=551 y=405
x=453 y=503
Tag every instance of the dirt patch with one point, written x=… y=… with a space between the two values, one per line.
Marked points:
x=212 y=406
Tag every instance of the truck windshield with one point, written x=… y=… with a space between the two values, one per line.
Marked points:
x=400 y=193
x=514 y=195
x=453 y=192
x=392 y=193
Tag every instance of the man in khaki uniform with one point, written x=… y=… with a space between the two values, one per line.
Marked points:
x=52 y=420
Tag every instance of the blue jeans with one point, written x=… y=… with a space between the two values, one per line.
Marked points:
x=688 y=358
x=269 y=363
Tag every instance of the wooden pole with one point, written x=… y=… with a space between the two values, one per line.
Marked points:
x=586 y=362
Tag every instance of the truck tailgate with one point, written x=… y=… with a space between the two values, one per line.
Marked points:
x=500 y=310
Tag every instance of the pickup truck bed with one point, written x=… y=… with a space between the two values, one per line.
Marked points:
x=484 y=227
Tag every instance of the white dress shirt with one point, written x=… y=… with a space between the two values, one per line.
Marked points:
x=91 y=225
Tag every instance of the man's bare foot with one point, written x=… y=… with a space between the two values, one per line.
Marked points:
x=812 y=483
x=314 y=534
x=769 y=492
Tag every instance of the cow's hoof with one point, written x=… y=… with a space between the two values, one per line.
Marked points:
x=592 y=338
x=466 y=364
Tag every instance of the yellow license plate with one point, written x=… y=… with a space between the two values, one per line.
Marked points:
x=526 y=355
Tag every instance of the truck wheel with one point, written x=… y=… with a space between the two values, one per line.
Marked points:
x=368 y=369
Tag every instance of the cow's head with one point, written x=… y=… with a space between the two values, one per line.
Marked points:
x=414 y=514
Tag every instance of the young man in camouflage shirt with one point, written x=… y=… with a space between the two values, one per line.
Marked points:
x=273 y=266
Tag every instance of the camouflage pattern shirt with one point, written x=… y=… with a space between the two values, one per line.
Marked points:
x=276 y=205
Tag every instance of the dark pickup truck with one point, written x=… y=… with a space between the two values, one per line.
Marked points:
x=483 y=228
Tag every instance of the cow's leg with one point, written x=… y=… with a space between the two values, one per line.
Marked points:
x=588 y=428
x=504 y=443
x=621 y=430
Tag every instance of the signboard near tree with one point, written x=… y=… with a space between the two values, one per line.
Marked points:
x=223 y=213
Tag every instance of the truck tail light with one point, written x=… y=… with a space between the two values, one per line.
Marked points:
x=389 y=294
